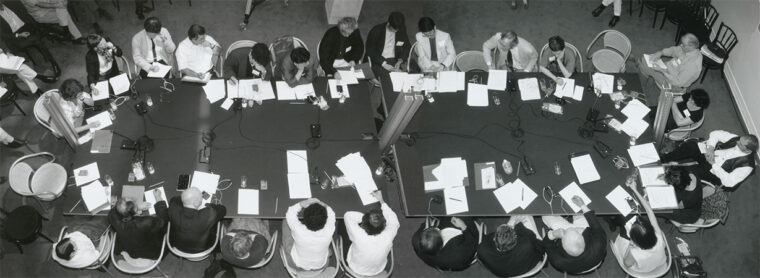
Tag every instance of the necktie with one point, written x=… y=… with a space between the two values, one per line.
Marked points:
x=153 y=48
x=433 y=50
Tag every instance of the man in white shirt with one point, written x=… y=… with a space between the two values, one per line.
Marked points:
x=152 y=46
x=723 y=159
x=371 y=235
x=25 y=73
x=512 y=52
x=198 y=53
x=307 y=233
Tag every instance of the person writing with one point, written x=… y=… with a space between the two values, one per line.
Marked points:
x=512 y=53
x=152 y=46
x=575 y=247
x=198 y=53
x=561 y=61
x=298 y=67
x=99 y=60
x=73 y=99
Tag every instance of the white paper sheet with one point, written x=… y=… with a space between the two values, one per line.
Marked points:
x=477 y=95
x=603 y=82
x=527 y=195
x=497 y=80
x=643 y=154
x=584 y=169
x=578 y=93
x=635 y=109
x=348 y=77
x=456 y=200
x=397 y=79
x=429 y=84
x=10 y=64
x=87 y=173
x=297 y=161
x=450 y=81
x=413 y=82
x=227 y=103
x=248 y=201
x=356 y=170
x=634 y=127
x=151 y=198
x=103 y=119
x=265 y=91
x=3 y=90
x=529 y=89
x=285 y=92
x=650 y=176
x=245 y=87
x=205 y=182
x=119 y=83
x=94 y=196
x=571 y=190
x=304 y=90
x=452 y=171
x=509 y=197
x=617 y=197
x=566 y=90
x=214 y=90
x=652 y=63
x=661 y=197
x=102 y=89
x=161 y=72
x=85 y=138
x=488 y=176
x=299 y=186
x=334 y=89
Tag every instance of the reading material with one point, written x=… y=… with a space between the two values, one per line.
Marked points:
x=119 y=83
x=529 y=89
x=103 y=119
x=651 y=176
x=450 y=81
x=87 y=173
x=348 y=77
x=477 y=95
x=356 y=170
x=497 y=80
x=134 y=193
x=618 y=197
x=94 y=196
x=652 y=63
x=205 y=78
x=509 y=197
x=578 y=93
x=284 y=91
x=397 y=79
x=661 y=197
x=214 y=90
x=10 y=64
x=603 y=82
x=485 y=175
x=151 y=198
x=571 y=190
x=334 y=89
x=299 y=186
x=643 y=154
x=455 y=199
x=584 y=168
x=297 y=161
x=205 y=182
x=161 y=72
x=635 y=109
x=102 y=91
x=567 y=89
x=248 y=201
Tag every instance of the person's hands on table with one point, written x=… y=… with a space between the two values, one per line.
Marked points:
x=459 y=223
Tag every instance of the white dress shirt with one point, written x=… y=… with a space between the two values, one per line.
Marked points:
x=310 y=248
x=368 y=254
x=728 y=179
x=389 y=48
x=13 y=20
x=85 y=253
x=195 y=57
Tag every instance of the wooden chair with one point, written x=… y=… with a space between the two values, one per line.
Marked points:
x=470 y=60
x=125 y=267
x=235 y=45
x=193 y=257
x=725 y=41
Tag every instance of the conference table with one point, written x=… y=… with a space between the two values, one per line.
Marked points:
x=448 y=128
x=251 y=142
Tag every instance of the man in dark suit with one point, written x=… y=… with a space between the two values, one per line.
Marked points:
x=139 y=236
x=388 y=45
x=193 y=228
x=573 y=248
x=19 y=32
x=513 y=249
x=451 y=246
x=341 y=46
x=247 y=63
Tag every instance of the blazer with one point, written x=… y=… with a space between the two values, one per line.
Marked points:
x=330 y=50
x=458 y=252
x=520 y=259
x=141 y=49
x=376 y=44
x=193 y=230
x=143 y=236
x=236 y=64
x=288 y=71
x=596 y=249
x=7 y=35
x=92 y=64
x=444 y=47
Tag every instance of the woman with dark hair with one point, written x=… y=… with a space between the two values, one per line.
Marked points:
x=641 y=241
x=561 y=60
x=99 y=60
x=247 y=63
x=73 y=99
x=688 y=109
x=688 y=193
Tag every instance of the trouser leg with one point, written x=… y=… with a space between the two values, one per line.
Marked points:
x=64 y=19
x=27 y=75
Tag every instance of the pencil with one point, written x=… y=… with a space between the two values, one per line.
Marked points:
x=75 y=205
x=455 y=199
x=276 y=202
x=518 y=168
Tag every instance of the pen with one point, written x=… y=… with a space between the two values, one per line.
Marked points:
x=156 y=184
x=455 y=199
x=522 y=194
x=75 y=205
x=518 y=168
x=297 y=103
x=276 y=202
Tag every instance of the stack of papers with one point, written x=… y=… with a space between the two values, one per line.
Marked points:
x=571 y=190
x=397 y=79
x=161 y=72
x=205 y=182
x=515 y=194
x=101 y=142
x=299 y=185
x=567 y=89
x=635 y=110
x=334 y=89
x=477 y=95
x=348 y=77
x=652 y=176
x=151 y=198
x=413 y=82
x=584 y=168
x=661 y=197
x=242 y=89
x=652 y=63
x=248 y=201
x=86 y=174
x=103 y=119
x=578 y=93
x=529 y=89
x=451 y=172
x=95 y=196
x=603 y=82
x=643 y=154
x=284 y=91
x=214 y=90
x=618 y=197
x=119 y=83
x=356 y=170
x=429 y=84
x=450 y=81
x=304 y=90
x=102 y=91
x=485 y=175
x=497 y=80
x=10 y=64
x=455 y=199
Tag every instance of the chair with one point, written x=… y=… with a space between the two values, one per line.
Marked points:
x=104 y=247
x=654 y=5
x=702 y=25
x=11 y=95
x=193 y=257
x=269 y=253
x=612 y=57
x=681 y=133
x=296 y=43
x=657 y=272
x=125 y=67
x=412 y=60
x=724 y=42
x=579 y=60
x=470 y=60
x=22 y=226
x=330 y=270
x=589 y=270
x=538 y=268
x=45 y=183
x=350 y=272
x=126 y=267
x=701 y=224
x=235 y=45
x=41 y=113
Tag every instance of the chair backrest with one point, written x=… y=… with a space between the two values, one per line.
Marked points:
x=279 y=49
x=725 y=38
x=195 y=257
x=680 y=134
x=25 y=180
x=578 y=57
x=617 y=41
x=126 y=267
x=269 y=253
x=235 y=45
x=694 y=227
x=41 y=113
x=709 y=16
x=614 y=53
x=125 y=67
x=49 y=181
x=104 y=248
x=657 y=272
x=536 y=269
x=470 y=60
x=330 y=270
x=412 y=59
x=351 y=273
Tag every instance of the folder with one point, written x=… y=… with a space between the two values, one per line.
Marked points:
x=485 y=175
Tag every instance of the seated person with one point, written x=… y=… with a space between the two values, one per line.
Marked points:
x=245 y=64
x=687 y=109
x=152 y=45
x=99 y=60
x=307 y=233
x=688 y=193
x=429 y=38
x=138 y=237
x=79 y=246
x=198 y=53
x=513 y=53
x=54 y=12
x=73 y=99
x=246 y=242
x=724 y=159
x=298 y=68
x=388 y=45
x=450 y=246
x=19 y=32
x=193 y=228
x=341 y=46
x=575 y=247
x=513 y=249
x=560 y=62
x=25 y=74
x=681 y=71
x=371 y=235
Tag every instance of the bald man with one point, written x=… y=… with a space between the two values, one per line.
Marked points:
x=681 y=70
x=193 y=227
x=578 y=246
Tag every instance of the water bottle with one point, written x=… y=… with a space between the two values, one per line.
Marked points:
x=557 y=169
x=149 y=101
x=507 y=166
x=496 y=100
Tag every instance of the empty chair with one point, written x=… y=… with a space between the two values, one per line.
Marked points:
x=655 y=5
x=719 y=48
x=104 y=248
x=612 y=56
x=22 y=226
x=701 y=224
x=41 y=113
x=470 y=60
x=129 y=268
x=44 y=182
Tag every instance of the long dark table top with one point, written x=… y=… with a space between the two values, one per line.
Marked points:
x=250 y=142
x=449 y=128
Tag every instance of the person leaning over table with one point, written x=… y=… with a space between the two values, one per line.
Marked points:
x=561 y=61
x=152 y=45
x=193 y=228
x=388 y=45
x=429 y=37
x=100 y=59
x=682 y=70
x=724 y=159
x=198 y=53
x=138 y=237
x=513 y=249
x=341 y=46
x=512 y=52
x=371 y=235
x=242 y=64
x=73 y=99
x=575 y=247
x=450 y=246
x=307 y=233
x=688 y=194
x=299 y=67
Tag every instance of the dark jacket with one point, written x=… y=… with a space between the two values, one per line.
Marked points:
x=458 y=252
x=9 y=37
x=596 y=249
x=193 y=230
x=93 y=65
x=236 y=64
x=376 y=43
x=288 y=72
x=330 y=48
x=142 y=236
x=520 y=259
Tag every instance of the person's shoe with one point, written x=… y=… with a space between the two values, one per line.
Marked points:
x=16 y=143
x=614 y=21
x=46 y=79
x=105 y=14
x=243 y=26
x=2 y=181
x=514 y=4
x=525 y=5
x=81 y=40
x=147 y=9
x=598 y=10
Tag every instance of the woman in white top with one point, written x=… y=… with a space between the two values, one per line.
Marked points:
x=100 y=59
x=646 y=250
x=73 y=99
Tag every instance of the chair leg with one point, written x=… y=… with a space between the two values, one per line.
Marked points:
x=641 y=10
x=158 y=268
x=664 y=17
x=704 y=73
x=19 y=107
x=45 y=237
x=656 y=12
x=18 y=245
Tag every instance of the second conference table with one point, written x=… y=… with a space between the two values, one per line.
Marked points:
x=250 y=142
x=448 y=127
